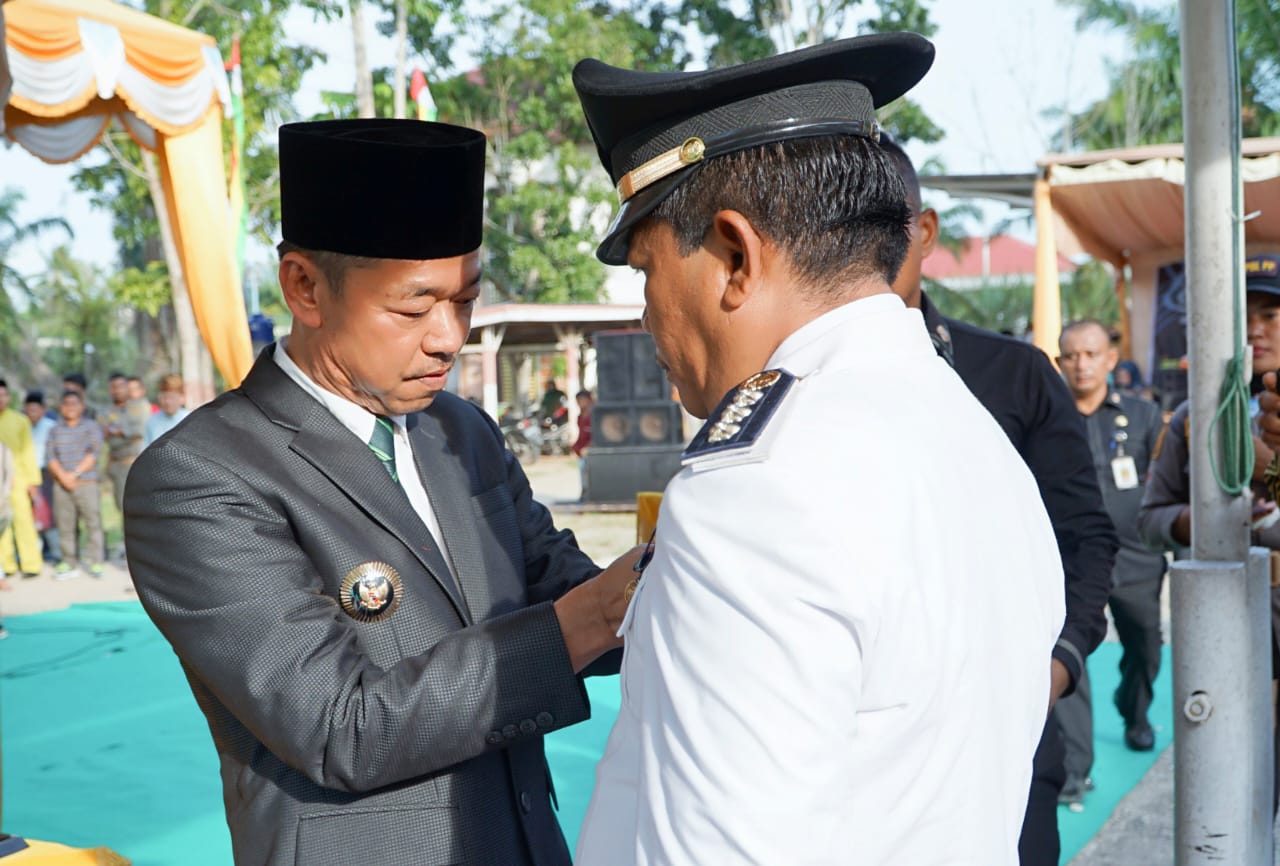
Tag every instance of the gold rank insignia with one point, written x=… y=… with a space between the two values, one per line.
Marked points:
x=738 y=422
x=371 y=591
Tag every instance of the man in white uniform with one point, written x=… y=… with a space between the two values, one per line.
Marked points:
x=839 y=652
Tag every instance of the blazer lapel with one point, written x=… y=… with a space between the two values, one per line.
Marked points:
x=348 y=463
x=448 y=487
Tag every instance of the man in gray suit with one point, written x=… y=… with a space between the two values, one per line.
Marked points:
x=378 y=621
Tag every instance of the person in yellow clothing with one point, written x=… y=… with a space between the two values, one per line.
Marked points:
x=21 y=537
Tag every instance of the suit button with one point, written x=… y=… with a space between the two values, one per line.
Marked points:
x=493 y=738
x=509 y=732
x=545 y=720
x=526 y=802
x=527 y=726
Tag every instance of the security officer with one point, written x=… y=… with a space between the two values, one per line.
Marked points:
x=1122 y=436
x=1018 y=386
x=840 y=651
x=1164 y=520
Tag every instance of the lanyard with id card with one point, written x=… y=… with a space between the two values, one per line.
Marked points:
x=1124 y=471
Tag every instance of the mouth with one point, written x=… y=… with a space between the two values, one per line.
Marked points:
x=435 y=377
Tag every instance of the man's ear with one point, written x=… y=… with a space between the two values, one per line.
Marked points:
x=928 y=228
x=300 y=282
x=738 y=249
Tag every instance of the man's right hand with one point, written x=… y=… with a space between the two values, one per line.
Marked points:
x=1269 y=420
x=591 y=613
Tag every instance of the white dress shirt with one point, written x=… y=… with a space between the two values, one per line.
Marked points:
x=360 y=421
x=840 y=652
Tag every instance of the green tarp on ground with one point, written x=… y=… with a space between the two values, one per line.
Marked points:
x=104 y=745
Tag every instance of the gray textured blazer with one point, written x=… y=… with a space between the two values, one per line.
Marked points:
x=416 y=739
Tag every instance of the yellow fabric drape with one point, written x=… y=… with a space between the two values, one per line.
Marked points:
x=196 y=191
x=1046 y=303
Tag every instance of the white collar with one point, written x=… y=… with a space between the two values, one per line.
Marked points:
x=355 y=418
x=873 y=327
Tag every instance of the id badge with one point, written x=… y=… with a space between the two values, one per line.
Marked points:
x=1125 y=473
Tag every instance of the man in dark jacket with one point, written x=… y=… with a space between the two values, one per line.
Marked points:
x=377 y=619
x=1018 y=385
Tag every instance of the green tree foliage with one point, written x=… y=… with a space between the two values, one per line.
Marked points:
x=1143 y=104
x=77 y=320
x=770 y=26
x=16 y=290
x=1004 y=307
x=551 y=200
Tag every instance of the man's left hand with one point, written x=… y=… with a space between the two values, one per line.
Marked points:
x=1059 y=681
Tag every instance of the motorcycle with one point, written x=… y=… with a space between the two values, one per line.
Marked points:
x=523 y=437
x=557 y=438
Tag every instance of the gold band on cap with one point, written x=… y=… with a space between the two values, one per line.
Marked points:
x=669 y=162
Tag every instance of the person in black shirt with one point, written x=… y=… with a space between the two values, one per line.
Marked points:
x=1020 y=388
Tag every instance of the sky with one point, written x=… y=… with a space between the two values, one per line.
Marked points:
x=999 y=65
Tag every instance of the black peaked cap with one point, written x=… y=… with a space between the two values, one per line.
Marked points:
x=1262 y=274
x=382 y=188
x=652 y=129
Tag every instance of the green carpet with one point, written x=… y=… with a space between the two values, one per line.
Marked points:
x=104 y=745
x=1115 y=769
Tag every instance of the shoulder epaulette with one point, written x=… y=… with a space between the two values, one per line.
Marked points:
x=735 y=431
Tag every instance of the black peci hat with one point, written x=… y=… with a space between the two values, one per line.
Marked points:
x=1262 y=274
x=381 y=188
x=653 y=128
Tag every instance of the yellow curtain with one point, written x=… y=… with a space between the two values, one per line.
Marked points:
x=196 y=188
x=1046 y=303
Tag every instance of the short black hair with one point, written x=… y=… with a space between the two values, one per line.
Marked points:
x=1084 y=323
x=4 y=384
x=334 y=266
x=834 y=204
x=35 y=396
x=76 y=379
x=583 y=393
x=116 y=374
x=910 y=179
x=72 y=393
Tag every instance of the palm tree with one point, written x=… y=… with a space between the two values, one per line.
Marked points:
x=15 y=291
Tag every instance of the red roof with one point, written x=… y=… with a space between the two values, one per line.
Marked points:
x=1004 y=256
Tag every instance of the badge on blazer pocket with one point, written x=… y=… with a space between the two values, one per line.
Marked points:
x=371 y=591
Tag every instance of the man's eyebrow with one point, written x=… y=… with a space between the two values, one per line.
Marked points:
x=426 y=287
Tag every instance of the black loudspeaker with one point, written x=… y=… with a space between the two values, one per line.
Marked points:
x=614 y=426
x=627 y=368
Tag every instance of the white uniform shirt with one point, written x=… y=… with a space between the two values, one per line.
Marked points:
x=840 y=653
x=360 y=421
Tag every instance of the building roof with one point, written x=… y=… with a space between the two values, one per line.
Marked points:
x=981 y=258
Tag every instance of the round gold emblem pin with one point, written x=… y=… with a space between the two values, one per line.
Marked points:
x=371 y=591
x=1122 y=421
x=692 y=150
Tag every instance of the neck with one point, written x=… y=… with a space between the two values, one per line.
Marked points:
x=1089 y=403
x=320 y=366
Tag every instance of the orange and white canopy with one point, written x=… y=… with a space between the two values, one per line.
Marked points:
x=76 y=65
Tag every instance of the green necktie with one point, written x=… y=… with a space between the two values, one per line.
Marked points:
x=383 y=444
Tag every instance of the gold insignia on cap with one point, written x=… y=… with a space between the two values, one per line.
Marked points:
x=371 y=591
x=729 y=423
x=668 y=162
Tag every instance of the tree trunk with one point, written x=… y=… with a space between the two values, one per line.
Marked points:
x=364 y=77
x=197 y=370
x=401 y=70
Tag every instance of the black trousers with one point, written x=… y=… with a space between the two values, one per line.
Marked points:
x=1135 y=607
x=1039 y=844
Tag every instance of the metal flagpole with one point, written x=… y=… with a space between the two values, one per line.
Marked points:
x=1220 y=598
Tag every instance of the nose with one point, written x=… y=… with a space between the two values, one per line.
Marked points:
x=447 y=327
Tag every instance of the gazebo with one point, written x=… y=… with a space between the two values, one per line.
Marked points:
x=73 y=67
x=1124 y=207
